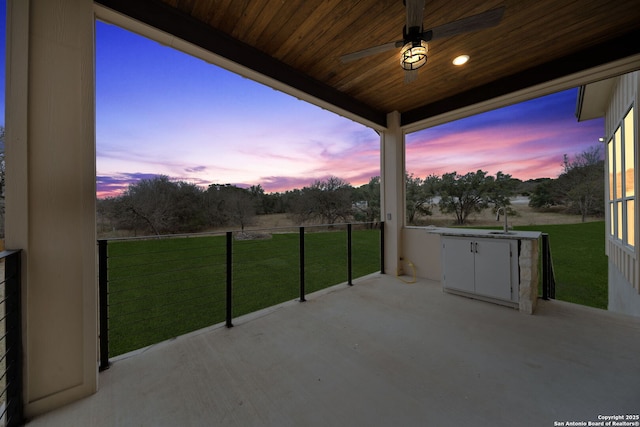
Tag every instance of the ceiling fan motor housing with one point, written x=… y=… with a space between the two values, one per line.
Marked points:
x=414 y=35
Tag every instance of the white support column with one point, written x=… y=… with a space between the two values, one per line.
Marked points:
x=392 y=191
x=50 y=194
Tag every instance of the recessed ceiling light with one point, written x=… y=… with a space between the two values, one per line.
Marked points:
x=459 y=60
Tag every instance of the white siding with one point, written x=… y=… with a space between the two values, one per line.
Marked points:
x=624 y=263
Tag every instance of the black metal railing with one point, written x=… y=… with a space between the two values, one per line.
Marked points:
x=548 y=276
x=153 y=289
x=11 y=408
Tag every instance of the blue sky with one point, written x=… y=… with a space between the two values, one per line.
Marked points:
x=159 y=111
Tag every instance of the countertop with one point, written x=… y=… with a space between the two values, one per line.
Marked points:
x=475 y=232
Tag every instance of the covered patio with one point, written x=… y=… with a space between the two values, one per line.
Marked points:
x=382 y=352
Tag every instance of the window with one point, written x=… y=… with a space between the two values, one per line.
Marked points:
x=622 y=179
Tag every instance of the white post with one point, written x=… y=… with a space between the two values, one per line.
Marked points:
x=50 y=194
x=392 y=191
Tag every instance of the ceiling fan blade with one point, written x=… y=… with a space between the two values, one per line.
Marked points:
x=415 y=13
x=370 y=51
x=487 y=19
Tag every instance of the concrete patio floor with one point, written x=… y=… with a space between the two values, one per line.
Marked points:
x=380 y=353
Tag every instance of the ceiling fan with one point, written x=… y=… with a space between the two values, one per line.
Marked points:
x=414 y=38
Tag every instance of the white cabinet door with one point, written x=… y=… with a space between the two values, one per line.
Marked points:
x=458 y=268
x=493 y=268
x=485 y=267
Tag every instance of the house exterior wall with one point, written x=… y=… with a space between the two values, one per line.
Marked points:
x=424 y=251
x=50 y=195
x=623 y=261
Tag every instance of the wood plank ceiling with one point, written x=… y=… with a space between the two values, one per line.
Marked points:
x=299 y=42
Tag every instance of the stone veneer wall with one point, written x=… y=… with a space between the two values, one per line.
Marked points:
x=529 y=273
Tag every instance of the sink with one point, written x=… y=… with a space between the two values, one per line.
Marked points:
x=502 y=232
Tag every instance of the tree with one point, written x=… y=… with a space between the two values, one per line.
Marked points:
x=274 y=203
x=301 y=205
x=213 y=206
x=499 y=191
x=366 y=202
x=463 y=194
x=260 y=199
x=328 y=200
x=228 y=204
x=112 y=214
x=582 y=182
x=544 y=194
x=419 y=196
x=187 y=213
x=148 y=201
x=239 y=206
x=589 y=157
x=161 y=206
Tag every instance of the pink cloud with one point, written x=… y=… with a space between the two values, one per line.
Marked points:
x=112 y=186
x=279 y=184
x=521 y=150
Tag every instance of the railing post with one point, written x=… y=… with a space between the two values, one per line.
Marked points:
x=229 y=298
x=545 y=266
x=382 y=247
x=103 y=304
x=13 y=327
x=302 y=292
x=548 y=279
x=349 y=263
x=552 y=275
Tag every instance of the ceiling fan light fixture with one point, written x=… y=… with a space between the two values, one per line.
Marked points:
x=413 y=55
x=460 y=59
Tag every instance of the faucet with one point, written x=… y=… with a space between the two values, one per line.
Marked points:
x=504 y=212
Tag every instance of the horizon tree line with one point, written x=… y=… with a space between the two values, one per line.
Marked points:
x=163 y=206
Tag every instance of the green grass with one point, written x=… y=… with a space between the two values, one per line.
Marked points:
x=162 y=288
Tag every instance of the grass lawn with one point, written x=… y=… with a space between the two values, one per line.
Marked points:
x=162 y=288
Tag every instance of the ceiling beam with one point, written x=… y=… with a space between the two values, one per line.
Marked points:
x=167 y=19
x=595 y=56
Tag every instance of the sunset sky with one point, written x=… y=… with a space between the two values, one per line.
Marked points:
x=526 y=140
x=159 y=111
x=162 y=112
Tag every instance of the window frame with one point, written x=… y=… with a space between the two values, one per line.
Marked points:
x=620 y=201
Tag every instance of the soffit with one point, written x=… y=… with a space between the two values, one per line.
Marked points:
x=299 y=43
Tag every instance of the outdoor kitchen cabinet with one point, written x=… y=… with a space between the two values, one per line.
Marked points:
x=486 y=268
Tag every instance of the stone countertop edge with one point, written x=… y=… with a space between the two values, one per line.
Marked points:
x=475 y=232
